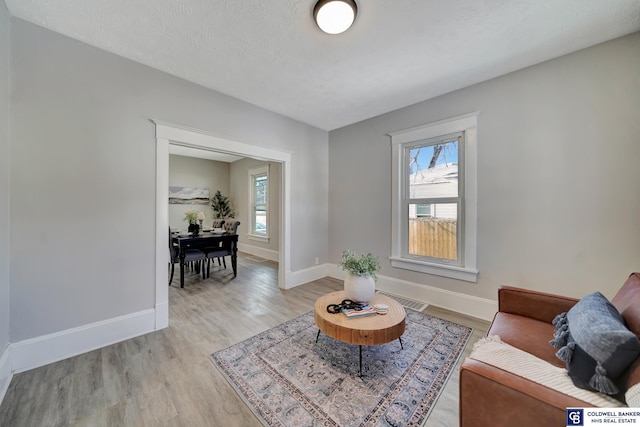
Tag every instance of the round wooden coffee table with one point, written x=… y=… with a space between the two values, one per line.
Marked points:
x=369 y=330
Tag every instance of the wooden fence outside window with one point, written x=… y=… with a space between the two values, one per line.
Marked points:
x=433 y=237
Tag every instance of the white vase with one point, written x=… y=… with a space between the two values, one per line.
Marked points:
x=359 y=288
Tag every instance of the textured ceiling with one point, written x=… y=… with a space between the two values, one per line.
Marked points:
x=399 y=52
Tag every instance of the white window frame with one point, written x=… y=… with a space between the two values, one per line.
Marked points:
x=467 y=224
x=253 y=173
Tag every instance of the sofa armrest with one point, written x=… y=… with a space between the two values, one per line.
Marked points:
x=536 y=305
x=490 y=396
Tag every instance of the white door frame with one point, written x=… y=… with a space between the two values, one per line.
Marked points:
x=167 y=133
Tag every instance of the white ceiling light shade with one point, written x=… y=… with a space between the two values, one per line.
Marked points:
x=335 y=16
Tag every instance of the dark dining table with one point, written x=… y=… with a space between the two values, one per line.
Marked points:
x=207 y=239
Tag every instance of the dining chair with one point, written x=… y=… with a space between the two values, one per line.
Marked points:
x=230 y=226
x=191 y=256
x=217 y=223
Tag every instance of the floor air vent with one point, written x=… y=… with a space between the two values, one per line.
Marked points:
x=413 y=304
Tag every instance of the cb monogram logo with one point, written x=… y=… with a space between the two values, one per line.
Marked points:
x=574 y=417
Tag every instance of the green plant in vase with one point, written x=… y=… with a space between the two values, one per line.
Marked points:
x=191 y=216
x=359 y=285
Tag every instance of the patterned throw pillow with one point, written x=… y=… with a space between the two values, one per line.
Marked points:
x=595 y=344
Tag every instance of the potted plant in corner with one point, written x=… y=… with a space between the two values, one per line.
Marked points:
x=221 y=206
x=360 y=283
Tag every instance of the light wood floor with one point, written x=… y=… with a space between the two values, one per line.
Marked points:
x=165 y=378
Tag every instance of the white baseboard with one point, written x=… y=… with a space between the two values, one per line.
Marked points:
x=300 y=277
x=162 y=315
x=40 y=351
x=469 y=305
x=5 y=372
x=269 y=254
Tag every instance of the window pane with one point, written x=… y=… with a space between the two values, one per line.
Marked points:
x=261 y=220
x=436 y=235
x=260 y=189
x=423 y=210
x=433 y=170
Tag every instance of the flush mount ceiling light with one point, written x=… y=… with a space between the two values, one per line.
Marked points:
x=335 y=16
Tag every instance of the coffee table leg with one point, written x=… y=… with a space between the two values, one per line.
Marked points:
x=360 y=361
x=401 y=346
x=317 y=336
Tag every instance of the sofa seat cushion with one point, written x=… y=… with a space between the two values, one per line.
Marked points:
x=529 y=335
x=492 y=351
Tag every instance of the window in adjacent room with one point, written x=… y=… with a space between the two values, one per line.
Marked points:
x=259 y=203
x=434 y=198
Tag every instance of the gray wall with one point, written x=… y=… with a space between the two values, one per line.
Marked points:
x=558 y=176
x=240 y=191
x=201 y=173
x=83 y=177
x=4 y=177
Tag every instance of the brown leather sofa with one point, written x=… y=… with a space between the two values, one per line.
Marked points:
x=493 y=397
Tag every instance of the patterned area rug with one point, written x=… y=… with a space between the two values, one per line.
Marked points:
x=290 y=380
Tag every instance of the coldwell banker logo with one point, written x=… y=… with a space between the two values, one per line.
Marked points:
x=575 y=417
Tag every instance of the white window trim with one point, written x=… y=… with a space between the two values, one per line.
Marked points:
x=469 y=124
x=258 y=238
x=262 y=170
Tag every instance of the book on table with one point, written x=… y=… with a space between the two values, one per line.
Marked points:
x=364 y=310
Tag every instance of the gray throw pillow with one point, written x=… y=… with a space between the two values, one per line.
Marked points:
x=595 y=344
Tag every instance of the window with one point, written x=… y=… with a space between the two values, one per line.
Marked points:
x=423 y=211
x=434 y=198
x=259 y=203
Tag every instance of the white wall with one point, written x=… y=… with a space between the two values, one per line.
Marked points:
x=200 y=173
x=240 y=191
x=83 y=176
x=558 y=176
x=4 y=191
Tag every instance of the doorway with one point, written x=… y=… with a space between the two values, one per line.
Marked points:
x=170 y=134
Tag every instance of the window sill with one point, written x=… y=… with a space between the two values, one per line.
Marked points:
x=453 y=272
x=258 y=238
